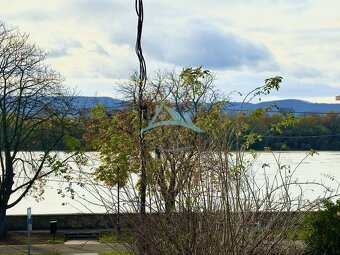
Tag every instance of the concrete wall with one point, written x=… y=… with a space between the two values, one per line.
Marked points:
x=69 y=221
x=102 y=221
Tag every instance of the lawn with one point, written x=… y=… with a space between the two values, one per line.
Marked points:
x=14 y=237
x=116 y=253
x=113 y=237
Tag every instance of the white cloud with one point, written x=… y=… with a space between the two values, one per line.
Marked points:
x=198 y=42
x=245 y=41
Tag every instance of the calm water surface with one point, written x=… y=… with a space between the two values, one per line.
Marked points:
x=324 y=168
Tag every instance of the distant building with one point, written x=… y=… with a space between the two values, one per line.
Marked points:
x=337 y=98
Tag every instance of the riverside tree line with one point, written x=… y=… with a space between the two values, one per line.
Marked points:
x=311 y=131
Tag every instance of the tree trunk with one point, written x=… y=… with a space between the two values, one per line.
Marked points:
x=170 y=203
x=2 y=223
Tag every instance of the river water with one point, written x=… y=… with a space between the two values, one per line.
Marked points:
x=322 y=168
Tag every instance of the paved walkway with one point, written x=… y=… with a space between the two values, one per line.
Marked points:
x=68 y=248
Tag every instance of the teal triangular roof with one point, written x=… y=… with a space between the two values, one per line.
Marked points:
x=176 y=119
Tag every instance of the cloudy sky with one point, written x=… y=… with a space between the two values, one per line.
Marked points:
x=91 y=42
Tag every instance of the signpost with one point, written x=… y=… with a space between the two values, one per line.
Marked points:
x=29 y=229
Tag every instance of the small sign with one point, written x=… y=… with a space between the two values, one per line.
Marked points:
x=29 y=216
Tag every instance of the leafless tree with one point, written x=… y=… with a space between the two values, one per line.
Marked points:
x=34 y=114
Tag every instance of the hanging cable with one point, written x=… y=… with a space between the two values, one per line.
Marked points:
x=141 y=87
x=138 y=48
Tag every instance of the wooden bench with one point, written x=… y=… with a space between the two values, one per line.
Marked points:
x=81 y=236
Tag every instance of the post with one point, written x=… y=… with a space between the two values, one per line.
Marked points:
x=29 y=229
x=118 y=202
x=53 y=228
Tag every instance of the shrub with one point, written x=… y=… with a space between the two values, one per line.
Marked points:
x=324 y=230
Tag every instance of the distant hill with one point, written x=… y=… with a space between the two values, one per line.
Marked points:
x=89 y=102
x=298 y=107
x=290 y=105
